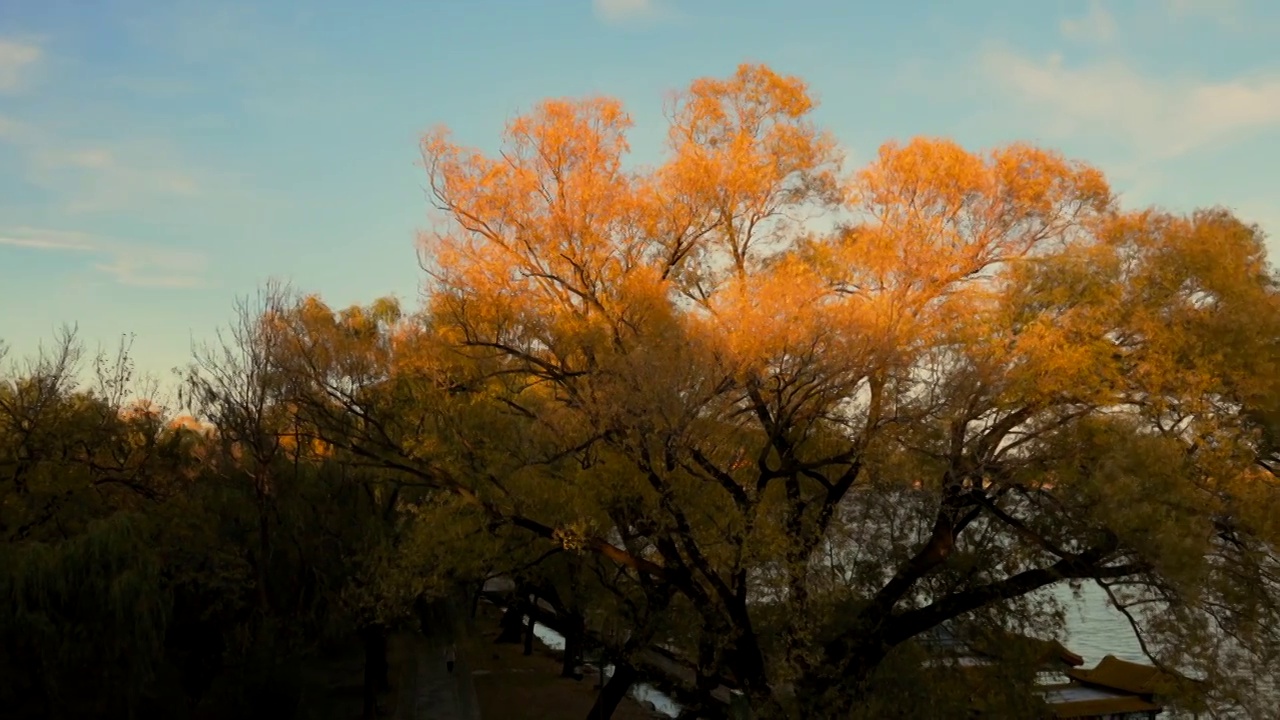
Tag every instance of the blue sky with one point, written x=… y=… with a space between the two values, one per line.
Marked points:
x=160 y=158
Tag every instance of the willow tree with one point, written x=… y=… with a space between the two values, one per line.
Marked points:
x=79 y=473
x=826 y=414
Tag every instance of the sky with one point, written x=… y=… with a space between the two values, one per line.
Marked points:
x=160 y=159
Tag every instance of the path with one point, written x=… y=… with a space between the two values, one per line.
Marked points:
x=428 y=691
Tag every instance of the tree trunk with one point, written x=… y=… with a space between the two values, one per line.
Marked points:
x=624 y=676
x=512 y=625
x=574 y=631
x=376 y=678
x=528 y=631
x=475 y=600
x=264 y=549
x=837 y=689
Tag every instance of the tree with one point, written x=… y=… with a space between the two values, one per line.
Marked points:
x=406 y=542
x=233 y=385
x=829 y=414
x=81 y=472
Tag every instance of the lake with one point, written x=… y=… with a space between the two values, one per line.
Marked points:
x=1095 y=629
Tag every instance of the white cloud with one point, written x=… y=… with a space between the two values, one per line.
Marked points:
x=99 y=176
x=105 y=177
x=626 y=12
x=1158 y=118
x=16 y=59
x=127 y=263
x=88 y=175
x=1096 y=26
x=48 y=240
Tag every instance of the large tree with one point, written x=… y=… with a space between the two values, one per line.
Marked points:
x=829 y=413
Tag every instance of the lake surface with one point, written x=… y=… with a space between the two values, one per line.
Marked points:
x=1095 y=629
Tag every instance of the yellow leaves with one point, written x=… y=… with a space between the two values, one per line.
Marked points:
x=299 y=445
x=572 y=537
x=1197 y=303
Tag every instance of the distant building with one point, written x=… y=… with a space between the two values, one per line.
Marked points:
x=1116 y=690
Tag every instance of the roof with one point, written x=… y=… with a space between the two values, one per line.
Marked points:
x=1131 y=677
x=1075 y=701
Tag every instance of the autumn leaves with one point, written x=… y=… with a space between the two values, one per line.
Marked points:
x=756 y=339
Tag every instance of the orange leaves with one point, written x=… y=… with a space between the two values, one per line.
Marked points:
x=1038 y=183
x=943 y=214
x=1199 y=302
x=1011 y=270
x=554 y=238
x=769 y=315
x=743 y=155
x=755 y=96
x=546 y=214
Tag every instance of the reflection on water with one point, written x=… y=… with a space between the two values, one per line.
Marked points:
x=1095 y=629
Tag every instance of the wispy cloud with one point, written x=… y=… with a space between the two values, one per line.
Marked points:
x=112 y=175
x=99 y=175
x=1159 y=117
x=17 y=58
x=86 y=174
x=629 y=12
x=126 y=263
x=48 y=240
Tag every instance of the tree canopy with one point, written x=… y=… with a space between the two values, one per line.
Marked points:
x=789 y=419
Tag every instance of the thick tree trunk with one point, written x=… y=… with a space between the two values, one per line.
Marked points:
x=574 y=632
x=375 y=668
x=512 y=625
x=745 y=660
x=842 y=686
x=624 y=676
x=528 y=631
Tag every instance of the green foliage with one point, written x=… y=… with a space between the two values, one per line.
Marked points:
x=89 y=613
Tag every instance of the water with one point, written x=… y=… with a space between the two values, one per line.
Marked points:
x=640 y=691
x=1095 y=629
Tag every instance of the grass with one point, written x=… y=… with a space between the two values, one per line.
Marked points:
x=511 y=686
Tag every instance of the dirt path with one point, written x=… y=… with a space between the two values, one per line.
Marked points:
x=428 y=691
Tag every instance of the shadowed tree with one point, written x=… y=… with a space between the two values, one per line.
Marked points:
x=82 y=474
